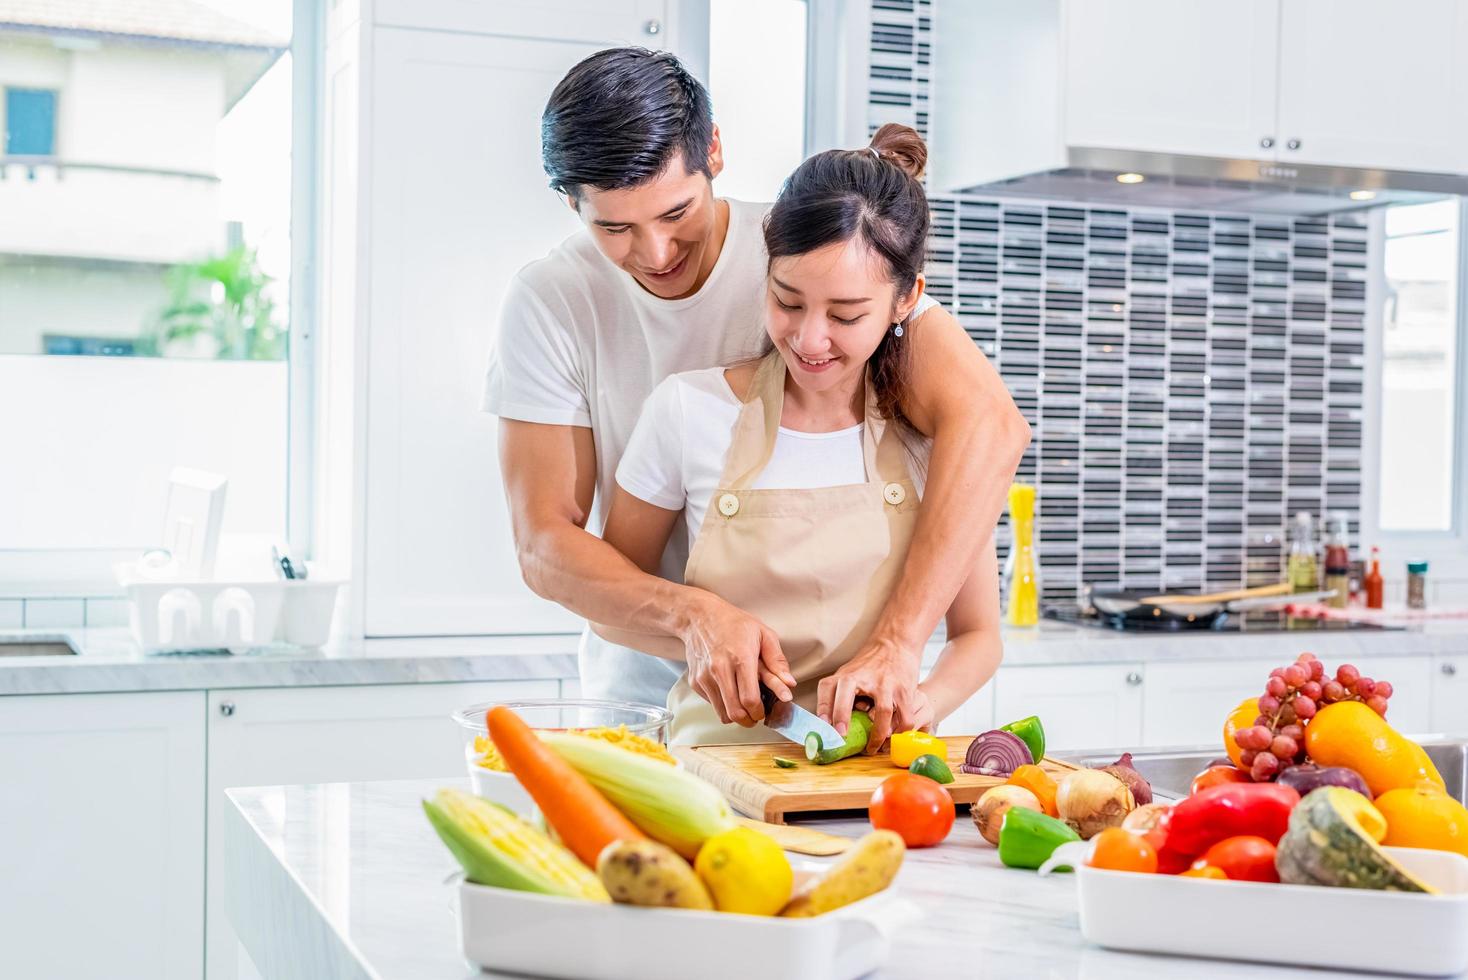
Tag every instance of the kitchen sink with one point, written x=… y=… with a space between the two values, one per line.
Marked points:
x=36 y=646
x=1171 y=771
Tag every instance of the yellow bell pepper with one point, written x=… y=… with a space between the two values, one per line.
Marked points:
x=907 y=746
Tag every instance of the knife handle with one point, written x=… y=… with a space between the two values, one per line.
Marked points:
x=767 y=698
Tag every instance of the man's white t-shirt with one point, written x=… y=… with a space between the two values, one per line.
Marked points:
x=581 y=343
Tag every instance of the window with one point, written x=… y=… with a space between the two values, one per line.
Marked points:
x=146 y=262
x=30 y=122
x=1420 y=387
x=757 y=81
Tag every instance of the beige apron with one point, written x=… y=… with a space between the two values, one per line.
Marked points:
x=816 y=566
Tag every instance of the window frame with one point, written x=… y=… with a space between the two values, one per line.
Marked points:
x=30 y=573
x=55 y=108
x=1445 y=551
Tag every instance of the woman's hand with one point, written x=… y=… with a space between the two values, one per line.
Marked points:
x=921 y=715
x=730 y=653
x=884 y=673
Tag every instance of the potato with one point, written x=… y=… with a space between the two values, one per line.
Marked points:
x=644 y=872
x=867 y=868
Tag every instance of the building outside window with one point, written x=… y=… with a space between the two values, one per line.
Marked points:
x=30 y=122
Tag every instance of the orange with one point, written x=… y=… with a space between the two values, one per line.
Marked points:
x=1350 y=734
x=1241 y=717
x=1424 y=816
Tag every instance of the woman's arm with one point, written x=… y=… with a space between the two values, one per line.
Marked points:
x=973 y=651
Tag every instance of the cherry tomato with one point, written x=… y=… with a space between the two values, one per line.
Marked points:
x=917 y=808
x=1122 y=850
x=1201 y=870
x=1242 y=859
x=1217 y=776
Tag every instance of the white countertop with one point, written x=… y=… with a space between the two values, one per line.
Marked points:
x=109 y=661
x=346 y=880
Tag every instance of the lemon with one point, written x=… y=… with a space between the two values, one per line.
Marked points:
x=745 y=871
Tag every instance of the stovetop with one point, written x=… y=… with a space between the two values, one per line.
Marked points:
x=1250 y=622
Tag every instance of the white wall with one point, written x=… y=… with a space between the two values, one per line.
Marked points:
x=87 y=444
x=41 y=296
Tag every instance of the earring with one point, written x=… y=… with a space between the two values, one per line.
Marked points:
x=897 y=330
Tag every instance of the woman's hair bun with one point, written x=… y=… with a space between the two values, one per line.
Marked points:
x=901 y=145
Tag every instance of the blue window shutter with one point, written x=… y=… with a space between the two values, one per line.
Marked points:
x=30 y=122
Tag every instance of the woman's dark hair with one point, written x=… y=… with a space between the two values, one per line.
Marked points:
x=618 y=118
x=873 y=194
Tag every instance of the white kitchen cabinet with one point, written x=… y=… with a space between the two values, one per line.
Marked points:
x=329 y=734
x=974 y=717
x=1450 y=694
x=1186 y=703
x=1410 y=707
x=1363 y=85
x=102 y=836
x=459 y=202
x=1083 y=706
x=1171 y=76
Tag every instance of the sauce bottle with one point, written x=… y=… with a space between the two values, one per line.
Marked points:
x=1304 y=575
x=1022 y=569
x=1375 y=586
x=1338 y=560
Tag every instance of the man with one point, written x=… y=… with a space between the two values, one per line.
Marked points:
x=664 y=277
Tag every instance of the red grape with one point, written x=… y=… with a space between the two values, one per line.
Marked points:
x=1334 y=691
x=1264 y=767
x=1295 y=675
x=1311 y=690
x=1296 y=732
x=1277 y=672
x=1347 y=674
x=1384 y=689
x=1284 y=747
x=1268 y=704
x=1247 y=757
x=1365 y=687
x=1261 y=720
x=1377 y=703
x=1276 y=687
x=1257 y=738
x=1317 y=670
x=1304 y=707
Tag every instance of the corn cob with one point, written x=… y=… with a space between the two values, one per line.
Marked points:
x=497 y=848
x=668 y=804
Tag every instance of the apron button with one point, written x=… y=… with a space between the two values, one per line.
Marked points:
x=894 y=494
x=729 y=505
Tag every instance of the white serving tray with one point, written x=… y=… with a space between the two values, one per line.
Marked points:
x=545 y=936
x=1344 y=928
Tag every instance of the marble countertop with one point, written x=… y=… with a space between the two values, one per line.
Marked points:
x=347 y=880
x=109 y=660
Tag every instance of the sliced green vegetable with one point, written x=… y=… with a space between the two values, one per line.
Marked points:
x=1027 y=837
x=1030 y=732
x=856 y=740
x=785 y=763
x=932 y=767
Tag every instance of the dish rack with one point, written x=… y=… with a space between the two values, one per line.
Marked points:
x=172 y=616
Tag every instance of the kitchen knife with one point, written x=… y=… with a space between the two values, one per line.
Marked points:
x=789 y=720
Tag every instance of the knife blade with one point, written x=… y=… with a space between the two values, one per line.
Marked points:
x=789 y=720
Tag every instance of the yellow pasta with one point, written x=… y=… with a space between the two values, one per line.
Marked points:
x=489 y=756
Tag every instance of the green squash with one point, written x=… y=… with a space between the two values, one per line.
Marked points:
x=1330 y=841
x=857 y=731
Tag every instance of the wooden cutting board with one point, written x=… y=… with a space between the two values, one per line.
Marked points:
x=757 y=788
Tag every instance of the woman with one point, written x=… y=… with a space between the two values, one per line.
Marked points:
x=798 y=475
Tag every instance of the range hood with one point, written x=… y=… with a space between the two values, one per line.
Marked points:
x=1180 y=182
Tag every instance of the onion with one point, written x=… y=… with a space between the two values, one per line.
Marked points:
x=996 y=753
x=1124 y=770
x=1304 y=778
x=989 y=812
x=1090 y=800
x=1145 y=817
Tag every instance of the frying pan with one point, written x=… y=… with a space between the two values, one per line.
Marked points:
x=1201 y=609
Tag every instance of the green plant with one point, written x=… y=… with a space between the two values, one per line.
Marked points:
x=223 y=297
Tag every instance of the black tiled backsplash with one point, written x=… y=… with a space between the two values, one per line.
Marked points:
x=1192 y=379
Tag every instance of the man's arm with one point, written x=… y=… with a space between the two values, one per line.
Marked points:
x=550 y=481
x=958 y=399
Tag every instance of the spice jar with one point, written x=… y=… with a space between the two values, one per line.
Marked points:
x=1416 y=585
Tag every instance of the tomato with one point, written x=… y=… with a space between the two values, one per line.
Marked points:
x=917 y=808
x=1201 y=870
x=1217 y=776
x=1122 y=850
x=1242 y=859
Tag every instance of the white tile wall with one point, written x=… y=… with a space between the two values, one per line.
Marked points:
x=57 y=613
x=12 y=614
x=106 y=612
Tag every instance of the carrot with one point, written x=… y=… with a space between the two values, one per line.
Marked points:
x=1037 y=781
x=582 y=817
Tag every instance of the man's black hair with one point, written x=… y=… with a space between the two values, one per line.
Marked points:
x=617 y=119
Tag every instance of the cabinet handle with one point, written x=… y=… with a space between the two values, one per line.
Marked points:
x=1292 y=145
x=653 y=27
x=1134 y=678
x=1267 y=142
x=1450 y=669
x=226 y=708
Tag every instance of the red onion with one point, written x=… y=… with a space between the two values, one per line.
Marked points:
x=996 y=753
x=1122 y=769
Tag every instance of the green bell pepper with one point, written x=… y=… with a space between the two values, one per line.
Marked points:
x=1032 y=733
x=1027 y=837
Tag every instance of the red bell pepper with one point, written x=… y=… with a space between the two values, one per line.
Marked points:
x=1220 y=812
